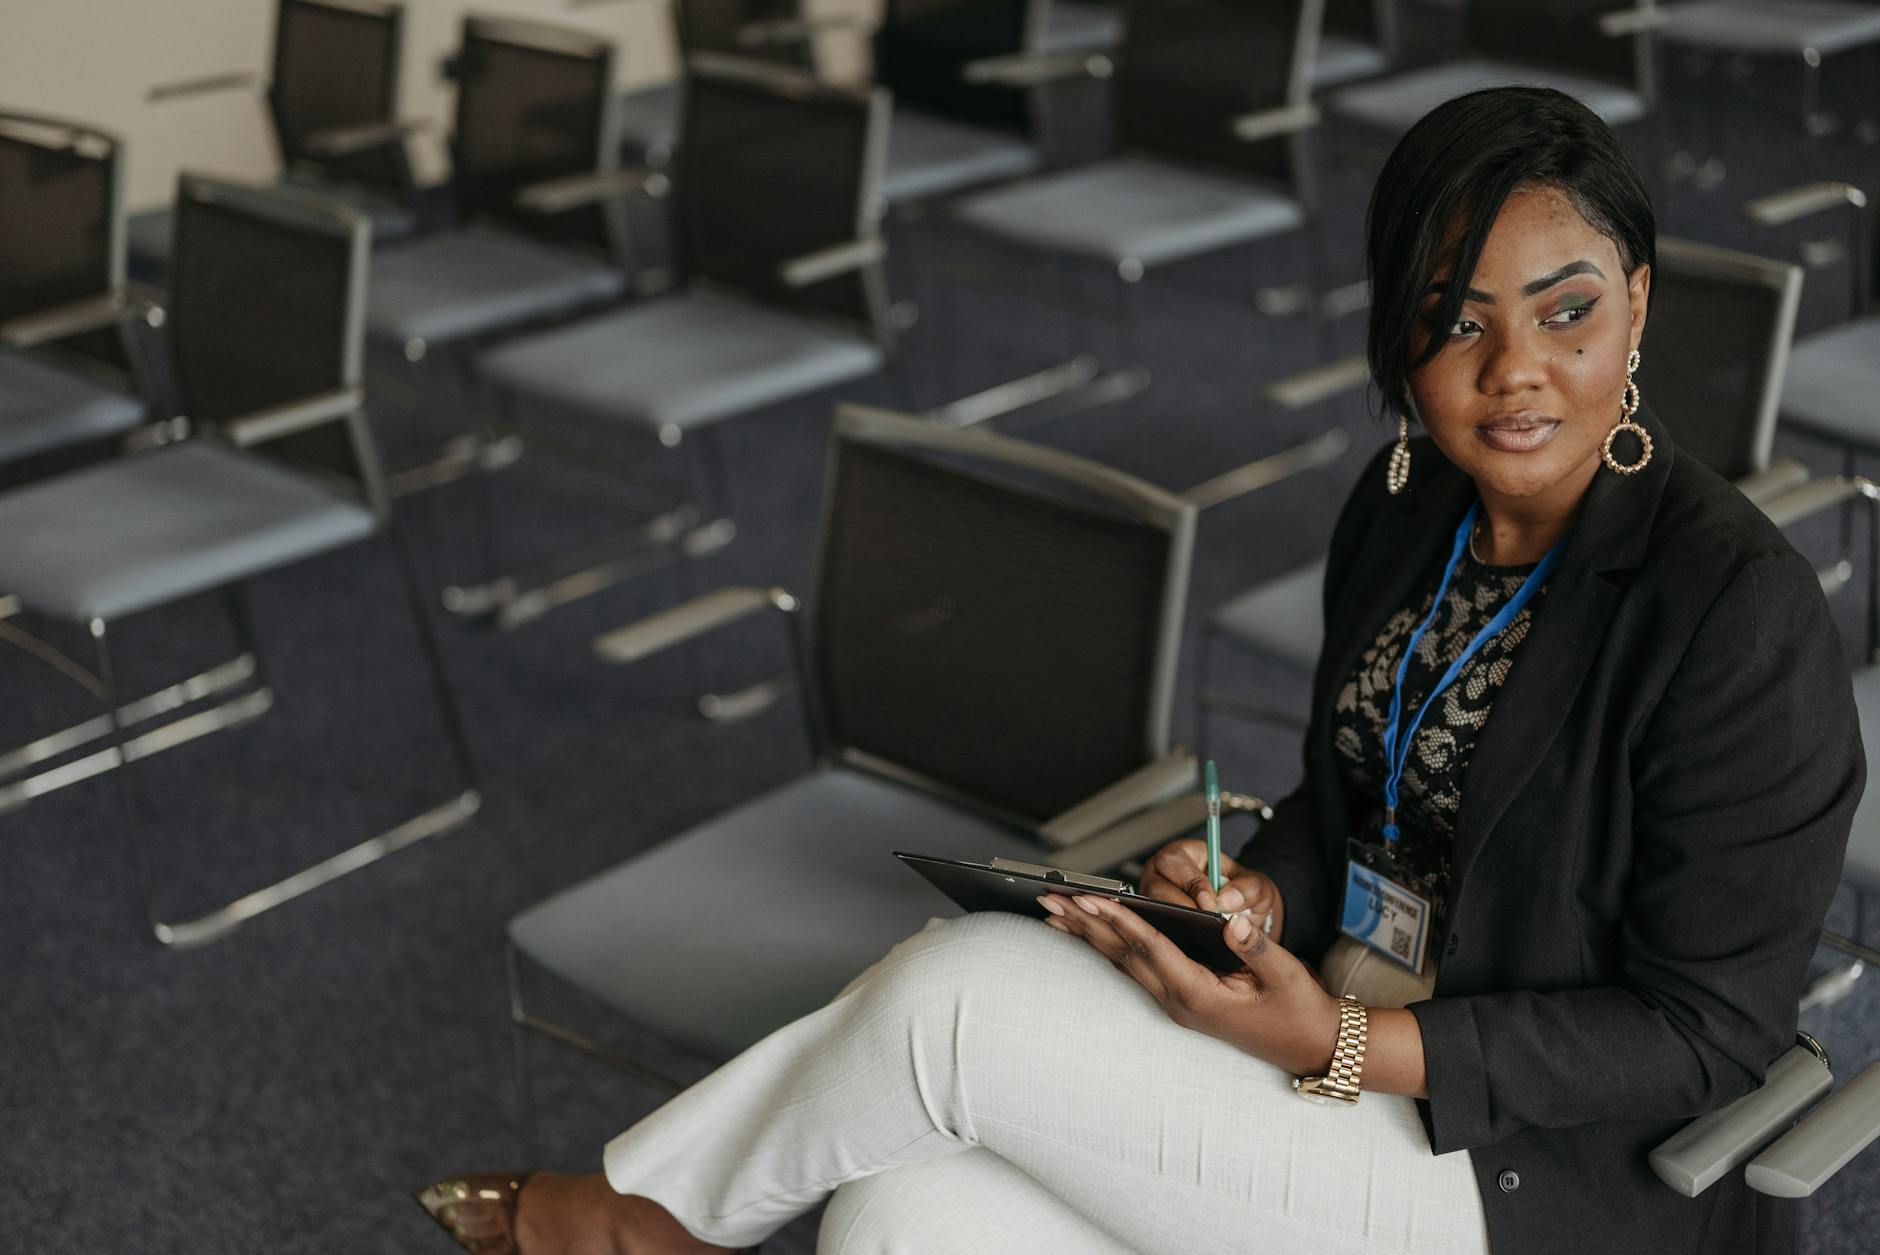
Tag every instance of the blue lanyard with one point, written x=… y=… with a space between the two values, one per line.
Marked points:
x=1397 y=739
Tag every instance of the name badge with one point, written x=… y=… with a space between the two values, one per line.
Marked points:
x=1385 y=916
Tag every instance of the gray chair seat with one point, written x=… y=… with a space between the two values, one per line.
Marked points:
x=935 y=156
x=1074 y=27
x=150 y=528
x=1341 y=60
x=803 y=893
x=44 y=408
x=682 y=360
x=1863 y=844
x=648 y=118
x=1770 y=27
x=1833 y=383
x=1283 y=618
x=1131 y=208
x=1393 y=105
x=150 y=234
x=459 y=284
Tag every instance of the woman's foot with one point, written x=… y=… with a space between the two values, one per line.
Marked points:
x=553 y=1213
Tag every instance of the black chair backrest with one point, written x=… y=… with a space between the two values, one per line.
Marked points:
x=336 y=65
x=1560 y=34
x=923 y=46
x=994 y=618
x=719 y=26
x=532 y=105
x=1189 y=68
x=1367 y=21
x=61 y=232
x=1715 y=351
x=267 y=309
x=773 y=166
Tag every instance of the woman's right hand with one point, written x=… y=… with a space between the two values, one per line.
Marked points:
x=1178 y=873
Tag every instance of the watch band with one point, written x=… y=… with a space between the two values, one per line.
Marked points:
x=1341 y=1079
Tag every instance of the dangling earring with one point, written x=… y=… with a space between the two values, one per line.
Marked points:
x=1398 y=473
x=1628 y=406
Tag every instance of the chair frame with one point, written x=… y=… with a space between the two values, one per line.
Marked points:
x=243 y=675
x=1082 y=838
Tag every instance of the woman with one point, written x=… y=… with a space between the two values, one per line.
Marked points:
x=1581 y=769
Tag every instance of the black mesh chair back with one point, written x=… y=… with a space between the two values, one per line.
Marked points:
x=774 y=166
x=994 y=618
x=923 y=46
x=1189 y=68
x=1560 y=34
x=1715 y=351
x=61 y=233
x=336 y=65
x=720 y=25
x=267 y=310
x=532 y=105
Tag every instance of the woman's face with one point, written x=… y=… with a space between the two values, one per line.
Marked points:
x=1532 y=374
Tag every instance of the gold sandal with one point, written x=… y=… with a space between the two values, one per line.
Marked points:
x=478 y=1210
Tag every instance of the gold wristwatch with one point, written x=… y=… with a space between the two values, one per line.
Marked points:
x=1340 y=1082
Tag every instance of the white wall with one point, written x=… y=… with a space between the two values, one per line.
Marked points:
x=95 y=60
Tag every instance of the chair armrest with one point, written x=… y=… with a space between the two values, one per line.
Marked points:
x=1783 y=476
x=341 y=141
x=1034 y=69
x=827 y=263
x=1818 y=495
x=1780 y=208
x=200 y=86
x=1267 y=123
x=296 y=416
x=1637 y=20
x=575 y=191
x=1147 y=786
x=1149 y=831
x=797 y=30
x=1694 y=1158
x=1321 y=383
x=707 y=613
x=73 y=318
x=1321 y=450
x=1814 y=1150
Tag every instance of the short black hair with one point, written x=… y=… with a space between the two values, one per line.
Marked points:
x=1461 y=162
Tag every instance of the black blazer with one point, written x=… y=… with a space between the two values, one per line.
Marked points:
x=1652 y=825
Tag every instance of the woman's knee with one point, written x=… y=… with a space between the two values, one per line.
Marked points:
x=984 y=952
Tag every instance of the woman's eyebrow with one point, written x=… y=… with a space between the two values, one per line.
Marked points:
x=1581 y=267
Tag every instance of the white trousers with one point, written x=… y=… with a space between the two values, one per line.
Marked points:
x=992 y=1085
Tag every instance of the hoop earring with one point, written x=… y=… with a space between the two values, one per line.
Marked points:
x=1398 y=473
x=1628 y=406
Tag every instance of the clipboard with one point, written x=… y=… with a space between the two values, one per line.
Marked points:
x=1011 y=886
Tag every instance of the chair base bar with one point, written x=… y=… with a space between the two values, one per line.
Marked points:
x=466 y=455
x=229 y=714
x=748 y=702
x=217 y=679
x=1321 y=450
x=216 y=924
x=1847 y=945
x=513 y=600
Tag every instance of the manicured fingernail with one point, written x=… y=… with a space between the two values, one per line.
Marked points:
x=1057 y=924
x=1240 y=928
x=1050 y=903
x=1232 y=900
x=1087 y=902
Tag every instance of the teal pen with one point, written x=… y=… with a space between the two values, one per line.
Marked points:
x=1211 y=783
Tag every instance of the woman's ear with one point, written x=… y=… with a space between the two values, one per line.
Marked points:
x=1638 y=289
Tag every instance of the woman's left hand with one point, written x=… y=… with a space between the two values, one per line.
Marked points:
x=1272 y=1008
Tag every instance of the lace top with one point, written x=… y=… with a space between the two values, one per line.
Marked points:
x=1430 y=794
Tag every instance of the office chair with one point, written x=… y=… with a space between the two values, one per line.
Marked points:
x=1713 y=361
x=782 y=297
x=65 y=312
x=988 y=663
x=332 y=101
x=1211 y=114
x=267 y=301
